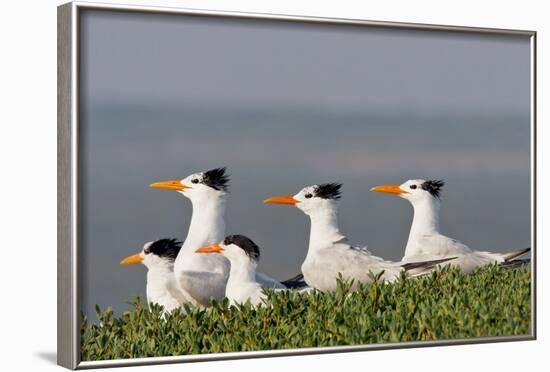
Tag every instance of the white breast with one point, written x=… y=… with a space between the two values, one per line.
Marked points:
x=162 y=289
x=203 y=276
x=242 y=292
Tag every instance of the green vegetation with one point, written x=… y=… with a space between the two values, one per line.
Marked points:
x=444 y=305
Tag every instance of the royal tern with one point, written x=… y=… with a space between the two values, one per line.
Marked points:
x=425 y=241
x=158 y=256
x=243 y=254
x=205 y=276
x=329 y=253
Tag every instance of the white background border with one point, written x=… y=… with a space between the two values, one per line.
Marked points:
x=28 y=182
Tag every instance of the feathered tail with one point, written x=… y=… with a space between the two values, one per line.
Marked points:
x=296 y=282
x=511 y=259
x=515 y=254
x=515 y=263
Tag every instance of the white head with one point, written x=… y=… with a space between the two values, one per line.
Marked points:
x=155 y=254
x=199 y=186
x=237 y=248
x=414 y=190
x=311 y=199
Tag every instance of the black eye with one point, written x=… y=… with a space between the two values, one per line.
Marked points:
x=195 y=181
x=413 y=187
x=308 y=196
x=146 y=251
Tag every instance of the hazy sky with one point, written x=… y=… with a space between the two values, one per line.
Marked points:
x=285 y=105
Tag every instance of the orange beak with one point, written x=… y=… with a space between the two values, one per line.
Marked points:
x=214 y=248
x=389 y=189
x=284 y=199
x=133 y=259
x=169 y=185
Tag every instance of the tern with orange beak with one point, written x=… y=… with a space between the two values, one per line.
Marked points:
x=329 y=253
x=159 y=256
x=204 y=277
x=426 y=242
x=244 y=254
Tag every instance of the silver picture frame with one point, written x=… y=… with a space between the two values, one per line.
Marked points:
x=68 y=329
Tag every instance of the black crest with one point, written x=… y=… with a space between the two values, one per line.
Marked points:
x=433 y=187
x=247 y=245
x=165 y=248
x=328 y=190
x=216 y=179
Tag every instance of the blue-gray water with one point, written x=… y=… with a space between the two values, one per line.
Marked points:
x=288 y=106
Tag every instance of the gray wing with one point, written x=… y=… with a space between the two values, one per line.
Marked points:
x=442 y=246
x=353 y=263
